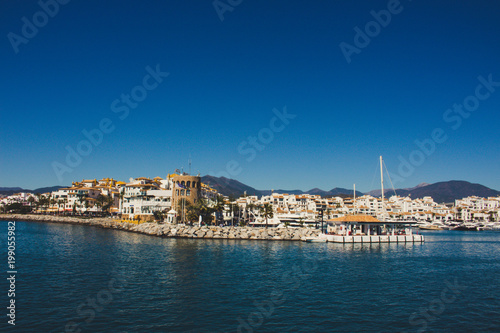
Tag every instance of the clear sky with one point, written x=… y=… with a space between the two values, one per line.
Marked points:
x=347 y=80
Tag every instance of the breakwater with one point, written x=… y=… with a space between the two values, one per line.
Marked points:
x=175 y=230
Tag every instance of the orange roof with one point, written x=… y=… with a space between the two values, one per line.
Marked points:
x=356 y=218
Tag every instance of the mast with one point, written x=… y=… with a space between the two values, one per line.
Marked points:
x=382 y=178
x=382 y=183
x=354 y=198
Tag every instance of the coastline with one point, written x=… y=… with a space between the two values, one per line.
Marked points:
x=175 y=230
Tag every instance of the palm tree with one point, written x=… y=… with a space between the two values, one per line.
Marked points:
x=100 y=200
x=65 y=201
x=59 y=203
x=52 y=201
x=250 y=207
x=32 y=201
x=219 y=205
x=267 y=210
x=200 y=208
x=81 y=200
x=104 y=202
x=122 y=194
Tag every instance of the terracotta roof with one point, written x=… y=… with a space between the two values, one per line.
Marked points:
x=356 y=218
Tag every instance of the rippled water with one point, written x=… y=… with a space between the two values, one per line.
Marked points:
x=74 y=278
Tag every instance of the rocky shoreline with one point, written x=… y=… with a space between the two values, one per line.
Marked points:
x=175 y=230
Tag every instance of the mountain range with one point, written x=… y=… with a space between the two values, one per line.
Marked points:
x=12 y=190
x=446 y=192
x=442 y=192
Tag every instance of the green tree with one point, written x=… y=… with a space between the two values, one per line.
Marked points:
x=267 y=211
x=159 y=215
x=17 y=208
x=219 y=207
x=104 y=202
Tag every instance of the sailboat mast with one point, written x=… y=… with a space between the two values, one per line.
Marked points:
x=382 y=179
x=354 y=198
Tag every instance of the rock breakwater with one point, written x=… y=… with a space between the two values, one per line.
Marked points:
x=176 y=230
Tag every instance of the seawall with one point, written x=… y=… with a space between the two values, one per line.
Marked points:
x=175 y=230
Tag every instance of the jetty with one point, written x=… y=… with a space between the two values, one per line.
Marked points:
x=171 y=230
x=368 y=229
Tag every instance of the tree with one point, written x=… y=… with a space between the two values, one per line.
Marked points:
x=52 y=202
x=201 y=208
x=31 y=200
x=81 y=200
x=251 y=207
x=159 y=215
x=235 y=209
x=17 y=207
x=218 y=206
x=267 y=210
x=60 y=202
x=104 y=202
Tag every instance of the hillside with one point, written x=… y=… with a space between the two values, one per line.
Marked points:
x=447 y=191
x=441 y=192
x=450 y=190
x=229 y=187
x=234 y=188
x=13 y=190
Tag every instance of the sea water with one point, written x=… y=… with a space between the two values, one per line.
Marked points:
x=73 y=278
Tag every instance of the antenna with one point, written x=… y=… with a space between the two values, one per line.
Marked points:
x=189 y=161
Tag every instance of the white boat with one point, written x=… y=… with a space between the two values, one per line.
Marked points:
x=320 y=239
x=313 y=240
x=297 y=220
x=430 y=226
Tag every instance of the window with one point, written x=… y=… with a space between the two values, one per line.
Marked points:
x=182 y=192
x=183 y=183
x=188 y=192
x=188 y=184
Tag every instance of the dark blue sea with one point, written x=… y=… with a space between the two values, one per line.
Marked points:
x=74 y=278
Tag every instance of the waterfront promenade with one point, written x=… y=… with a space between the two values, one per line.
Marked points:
x=175 y=230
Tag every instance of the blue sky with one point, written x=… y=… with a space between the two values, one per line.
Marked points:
x=225 y=78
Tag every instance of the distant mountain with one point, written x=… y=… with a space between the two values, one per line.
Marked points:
x=449 y=191
x=441 y=192
x=234 y=188
x=389 y=191
x=343 y=191
x=13 y=190
x=229 y=187
x=268 y=192
x=5 y=189
x=47 y=189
